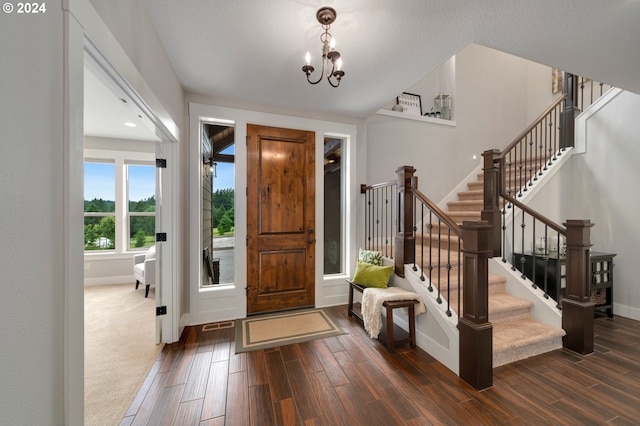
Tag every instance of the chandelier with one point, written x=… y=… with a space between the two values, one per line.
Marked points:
x=326 y=16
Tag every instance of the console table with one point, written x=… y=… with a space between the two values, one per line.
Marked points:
x=549 y=273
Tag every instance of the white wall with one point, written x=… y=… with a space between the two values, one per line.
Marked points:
x=599 y=185
x=442 y=79
x=41 y=381
x=31 y=219
x=491 y=107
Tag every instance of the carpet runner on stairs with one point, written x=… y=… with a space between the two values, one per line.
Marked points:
x=516 y=335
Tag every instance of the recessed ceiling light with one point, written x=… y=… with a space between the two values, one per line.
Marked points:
x=129 y=124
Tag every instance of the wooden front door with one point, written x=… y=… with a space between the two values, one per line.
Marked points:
x=281 y=219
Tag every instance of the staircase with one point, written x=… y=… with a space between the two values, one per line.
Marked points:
x=516 y=335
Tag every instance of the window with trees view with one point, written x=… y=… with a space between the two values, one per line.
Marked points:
x=142 y=205
x=99 y=206
x=119 y=205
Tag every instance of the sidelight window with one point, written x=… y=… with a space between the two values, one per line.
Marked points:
x=334 y=213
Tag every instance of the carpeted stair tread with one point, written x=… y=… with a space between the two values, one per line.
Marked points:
x=509 y=334
x=520 y=339
x=460 y=217
x=423 y=259
x=465 y=205
x=476 y=194
x=475 y=185
x=505 y=307
x=502 y=306
x=515 y=334
x=496 y=281
x=432 y=239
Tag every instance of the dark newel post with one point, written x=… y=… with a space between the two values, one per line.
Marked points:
x=568 y=116
x=405 y=239
x=476 y=332
x=577 y=309
x=491 y=210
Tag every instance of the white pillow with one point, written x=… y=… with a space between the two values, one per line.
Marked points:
x=151 y=253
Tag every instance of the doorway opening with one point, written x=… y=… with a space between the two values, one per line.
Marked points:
x=121 y=189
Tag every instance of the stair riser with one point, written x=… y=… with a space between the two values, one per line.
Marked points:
x=514 y=315
x=521 y=352
x=433 y=242
x=471 y=196
x=460 y=217
x=466 y=206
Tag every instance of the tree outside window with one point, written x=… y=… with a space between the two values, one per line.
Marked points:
x=109 y=209
x=142 y=205
x=99 y=206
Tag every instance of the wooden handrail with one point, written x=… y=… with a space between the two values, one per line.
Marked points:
x=535 y=123
x=439 y=213
x=551 y=224
x=364 y=188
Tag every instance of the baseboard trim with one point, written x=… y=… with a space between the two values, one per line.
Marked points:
x=121 y=279
x=626 y=311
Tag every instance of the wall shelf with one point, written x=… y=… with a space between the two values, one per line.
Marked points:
x=406 y=116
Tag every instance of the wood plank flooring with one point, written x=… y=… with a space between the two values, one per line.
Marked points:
x=353 y=380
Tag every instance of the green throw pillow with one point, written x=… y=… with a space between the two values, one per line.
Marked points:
x=368 y=275
x=370 y=256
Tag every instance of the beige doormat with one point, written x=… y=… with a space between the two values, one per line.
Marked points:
x=268 y=331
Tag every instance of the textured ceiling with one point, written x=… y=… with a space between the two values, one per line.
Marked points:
x=253 y=51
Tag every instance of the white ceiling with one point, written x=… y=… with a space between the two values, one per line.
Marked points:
x=105 y=113
x=253 y=51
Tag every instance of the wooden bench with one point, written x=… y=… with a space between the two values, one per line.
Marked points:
x=390 y=335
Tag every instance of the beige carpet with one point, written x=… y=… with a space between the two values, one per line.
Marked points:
x=267 y=331
x=119 y=345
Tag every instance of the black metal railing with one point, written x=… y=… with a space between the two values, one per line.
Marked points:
x=438 y=238
x=535 y=246
x=520 y=165
x=380 y=216
x=438 y=244
x=533 y=151
x=589 y=91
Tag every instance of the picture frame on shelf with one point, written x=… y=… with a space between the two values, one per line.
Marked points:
x=411 y=103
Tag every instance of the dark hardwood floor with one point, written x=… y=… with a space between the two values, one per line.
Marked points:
x=353 y=380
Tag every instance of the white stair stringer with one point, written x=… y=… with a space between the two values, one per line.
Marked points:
x=436 y=333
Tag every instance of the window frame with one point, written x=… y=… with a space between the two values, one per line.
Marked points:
x=121 y=159
x=343 y=206
x=129 y=214
x=112 y=162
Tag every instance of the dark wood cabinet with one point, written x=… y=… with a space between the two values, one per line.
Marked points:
x=549 y=273
x=602 y=282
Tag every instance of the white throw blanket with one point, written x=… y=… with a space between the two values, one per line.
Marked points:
x=372 y=299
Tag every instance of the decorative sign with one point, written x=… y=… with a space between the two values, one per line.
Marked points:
x=411 y=103
x=556 y=80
